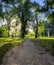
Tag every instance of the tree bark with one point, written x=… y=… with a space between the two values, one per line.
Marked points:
x=36 y=34
x=8 y=28
x=22 y=26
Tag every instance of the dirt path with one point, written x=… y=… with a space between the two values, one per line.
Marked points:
x=28 y=54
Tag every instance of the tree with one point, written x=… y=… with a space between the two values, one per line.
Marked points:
x=23 y=10
x=6 y=16
x=8 y=13
x=24 y=14
x=36 y=8
x=47 y=8
x=50 y=19
x=51 y=3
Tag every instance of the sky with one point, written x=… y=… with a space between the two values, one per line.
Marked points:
x=39 y=1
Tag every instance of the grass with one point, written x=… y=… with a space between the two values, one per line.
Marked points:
x=7 y=44
x=30 y=35
x=47 y=43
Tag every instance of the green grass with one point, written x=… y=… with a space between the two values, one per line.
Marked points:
x=7 y=44
x=30 y=35
x=47 y=43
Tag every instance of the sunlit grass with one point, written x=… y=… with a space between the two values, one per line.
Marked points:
x=46 y=37
x=30 y=35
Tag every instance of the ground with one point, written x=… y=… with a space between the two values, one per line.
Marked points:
x=28 y=54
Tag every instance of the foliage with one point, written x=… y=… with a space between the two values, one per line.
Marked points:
x=3 y=32
x=51 y=3
x=50 y=17
x=41 y=28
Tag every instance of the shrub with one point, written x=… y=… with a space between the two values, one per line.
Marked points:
x=3 y=32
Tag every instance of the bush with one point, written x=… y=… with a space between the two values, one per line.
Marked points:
x=3 y=32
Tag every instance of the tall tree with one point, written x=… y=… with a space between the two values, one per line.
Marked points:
x=36 y=8
x=26 y=15
x=22 y=9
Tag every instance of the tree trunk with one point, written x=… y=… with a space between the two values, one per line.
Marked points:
x=8 y=28
x=22 y=26
x=36 y=35
x=22 y=29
